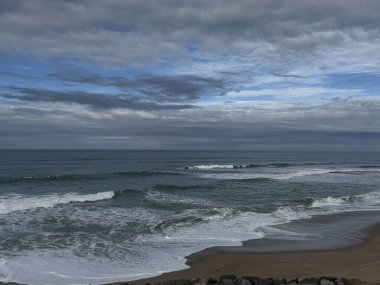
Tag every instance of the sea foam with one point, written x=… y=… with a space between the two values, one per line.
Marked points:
x=13 y=203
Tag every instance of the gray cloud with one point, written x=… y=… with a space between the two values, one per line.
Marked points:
x=96 y=100
x=349 y=124
x=121 y=33
x=159 y=88
x=177 y=53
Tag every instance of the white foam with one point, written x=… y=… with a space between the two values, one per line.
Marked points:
x=158 y=252
x=287 y=214
x=329 y=201
x=370 y=198
x=13 y=203
x=280 y=174
x=63 y=267
x=210 y=166
x=275 y=175
x=158 y=196
x=6 y=273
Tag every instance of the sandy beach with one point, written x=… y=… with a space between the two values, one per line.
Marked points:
x=360 y=259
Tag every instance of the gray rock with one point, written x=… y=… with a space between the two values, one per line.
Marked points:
x=211 y=281
x=229 y=279
x=200 y=282
x=302 y=280
x=326 y=282
x=226 y=282
x=351 y=281
x=277 y=282
x=177 y=282
x=244 y=281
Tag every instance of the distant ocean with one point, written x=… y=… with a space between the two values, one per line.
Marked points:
x=80 y=217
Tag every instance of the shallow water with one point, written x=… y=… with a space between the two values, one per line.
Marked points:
x=79 y=217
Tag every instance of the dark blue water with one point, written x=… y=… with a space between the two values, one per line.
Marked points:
x=79 y=217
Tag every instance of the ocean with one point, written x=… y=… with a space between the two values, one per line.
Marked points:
x=81 y=217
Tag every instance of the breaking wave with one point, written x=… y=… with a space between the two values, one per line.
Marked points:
x=283 y=175
x=160 y=197
x=13 y=203
x=251 y=165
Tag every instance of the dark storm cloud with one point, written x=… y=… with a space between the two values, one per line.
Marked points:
x=95 y=100
x=159 y=88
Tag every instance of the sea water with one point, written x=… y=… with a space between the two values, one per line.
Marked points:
x=81 y=217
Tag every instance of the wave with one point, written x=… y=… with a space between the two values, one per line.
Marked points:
x=233 y=166
x=6 y=273
x=239 y=166
x=160 y=197
x=14 y=203
x=14 y=179
x=275 y=176
x=369 y=166
x=180 y=235
x=190 y=218
x=329 y=205
x=210 y=166
x=181 y=187
x=330 y=201
x=283 y=175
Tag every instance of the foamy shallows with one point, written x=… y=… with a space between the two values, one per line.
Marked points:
x=97 y=217
x=13 y=203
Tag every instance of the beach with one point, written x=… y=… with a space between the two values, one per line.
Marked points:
x=134 y=215
x=357 y=256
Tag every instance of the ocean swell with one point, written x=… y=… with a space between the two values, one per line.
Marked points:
x=13 y=203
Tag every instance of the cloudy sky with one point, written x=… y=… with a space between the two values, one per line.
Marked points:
x=174 y=74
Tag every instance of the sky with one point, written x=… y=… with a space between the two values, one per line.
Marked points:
x=175 y=74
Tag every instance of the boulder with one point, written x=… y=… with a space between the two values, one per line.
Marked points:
x=211 y=281
x=200 y=281
x=244 y=281
x=305 y=281
x=177 y=282
x=339 y=282
x=351 y=281
x=229 y=279
x=326 y=282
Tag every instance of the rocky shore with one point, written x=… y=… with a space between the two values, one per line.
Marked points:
x=250 y=280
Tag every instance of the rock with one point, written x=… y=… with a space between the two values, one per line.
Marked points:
x=177 y=282
x=200 y=282
x=229 y=279
x=326 y=282
x=244 y=281
x=277 y=282
x=339 y=282
x=226 y=282
x=211 y=281
x=252 y=279
x=351 y=281
x=332 y=279
x=305 y=281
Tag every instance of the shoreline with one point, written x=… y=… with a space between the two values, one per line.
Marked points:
x=348 y=247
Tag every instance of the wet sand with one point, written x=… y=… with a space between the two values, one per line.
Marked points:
x=343 y=245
